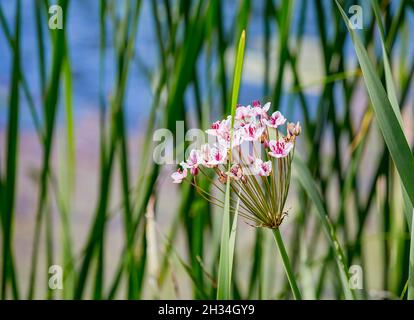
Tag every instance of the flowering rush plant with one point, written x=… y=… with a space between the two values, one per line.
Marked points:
x=254 y=156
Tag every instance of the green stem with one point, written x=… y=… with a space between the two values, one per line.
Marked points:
x=411 y=266
x=286 y=264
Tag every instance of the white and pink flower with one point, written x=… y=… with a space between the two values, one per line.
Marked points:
x=218 y=155
x=293 y=130
x=236 y=172
x=251 y=124
x=252 y=132
x=204 y=154
x=244 y=113
x=279 y=149
x=242 y=168
x=224 y=140
x=192 y=162
x=179 y=175
x=262 y=168
x=275 y=120
x=220 y=128
x=260 y=111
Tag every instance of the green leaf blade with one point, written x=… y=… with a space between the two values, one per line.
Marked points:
x=224 y=274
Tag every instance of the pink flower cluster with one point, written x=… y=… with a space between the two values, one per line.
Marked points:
x=251 y=124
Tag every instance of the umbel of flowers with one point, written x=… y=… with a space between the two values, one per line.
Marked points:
x=260 y=168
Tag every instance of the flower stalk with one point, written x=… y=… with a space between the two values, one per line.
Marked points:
x=286 y=264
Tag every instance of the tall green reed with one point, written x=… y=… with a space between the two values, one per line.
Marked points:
x=227 y=246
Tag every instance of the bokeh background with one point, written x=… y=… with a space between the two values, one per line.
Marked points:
x=78 y=108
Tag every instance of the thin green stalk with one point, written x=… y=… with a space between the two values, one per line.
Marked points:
x=285 y=12
x=96 y=237
x=411 y=266
x=286 y=264
x=50 y=112
x=7 y=205
x=67 y=174
x=386 y=116
x=224 y=276
x=303 y=175
x=123 y=141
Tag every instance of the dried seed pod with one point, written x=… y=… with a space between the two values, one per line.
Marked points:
x=222 y=177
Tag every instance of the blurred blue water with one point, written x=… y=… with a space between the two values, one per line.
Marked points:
x=83 y=32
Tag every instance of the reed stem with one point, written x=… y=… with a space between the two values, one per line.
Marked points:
x=286 y=263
